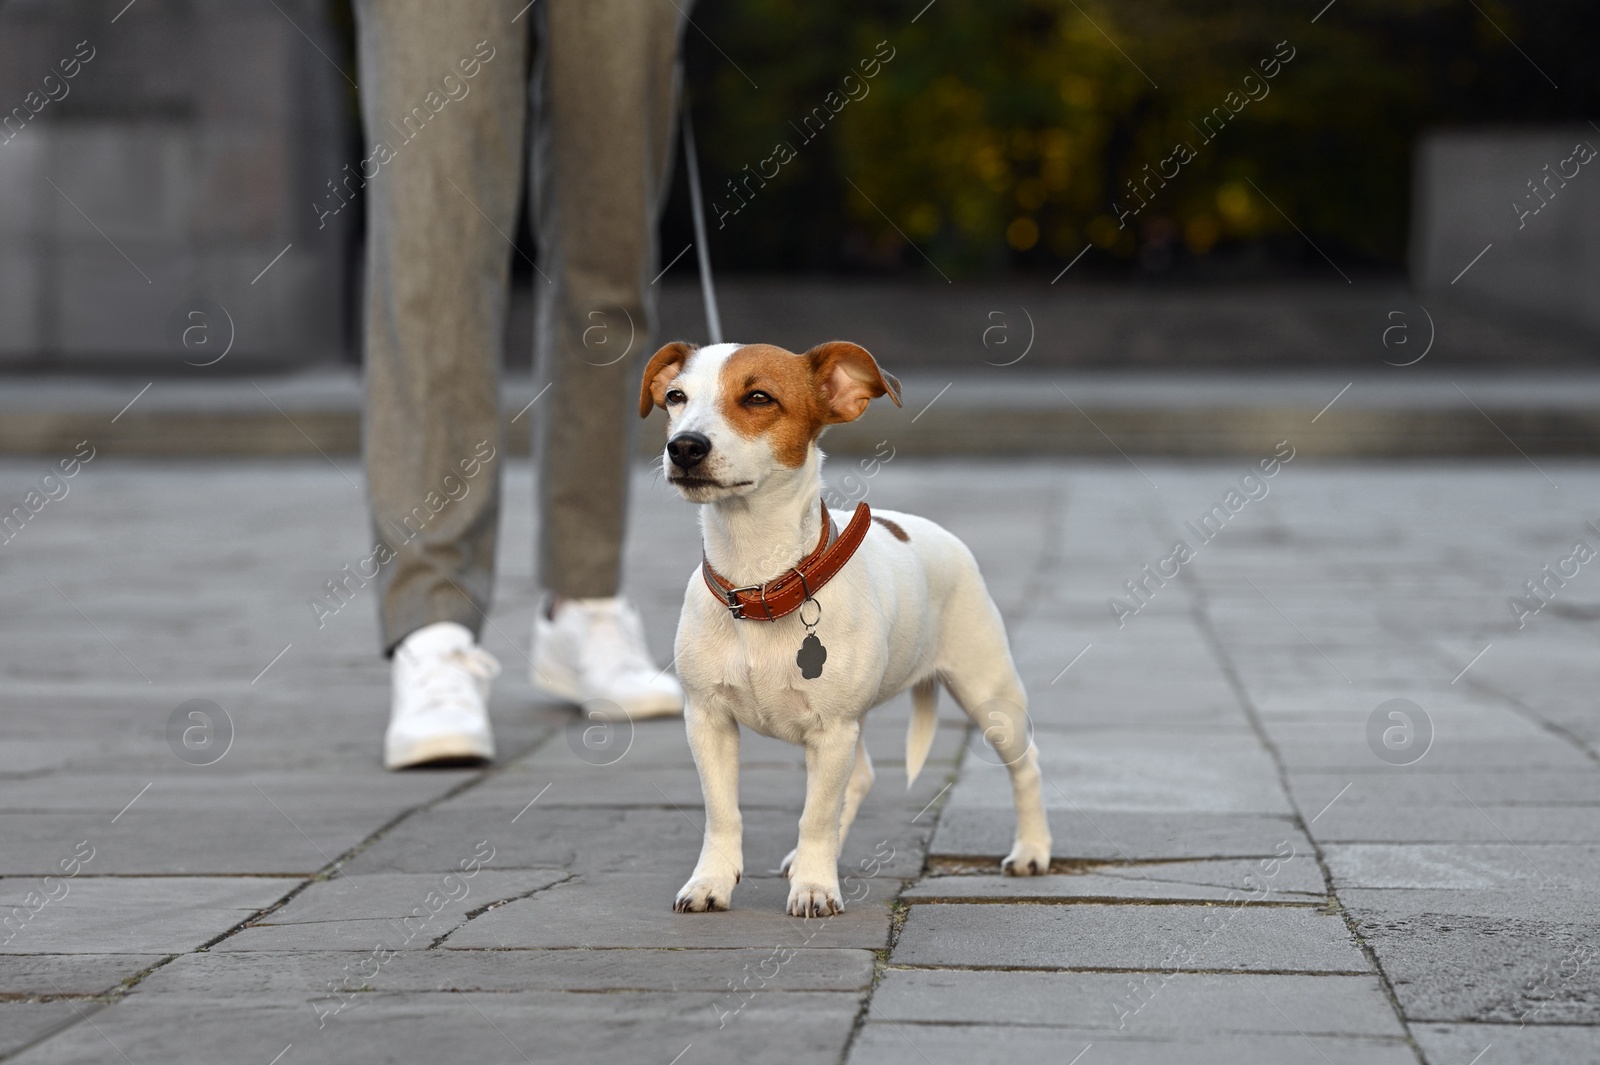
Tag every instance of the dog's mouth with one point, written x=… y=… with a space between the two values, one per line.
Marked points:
x=691 y=482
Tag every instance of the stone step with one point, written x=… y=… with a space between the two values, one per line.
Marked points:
x=989 y=413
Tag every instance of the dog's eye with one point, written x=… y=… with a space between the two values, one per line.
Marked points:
x=759 y=399
x=675 y=396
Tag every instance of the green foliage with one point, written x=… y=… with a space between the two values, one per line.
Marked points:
x=1002 y=134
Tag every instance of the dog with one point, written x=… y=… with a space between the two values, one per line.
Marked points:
x=795 y=628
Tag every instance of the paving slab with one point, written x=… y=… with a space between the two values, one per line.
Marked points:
x=1446 y=1044
x=443 y=896
x=1193 y=708
x=22 y=1023
x=636 y=911
x=597 y=838
x=70 y=974
x=673 y=782
x=1534 y=902
x=712 y=970
x=1214 y=771
x=1414 y=823
x=1468 y=866
x=927 y=1044
x=625 y=839
x=220 y=788
x=1495 y=957
x=138 y=915
x=1265 y=938
x=1346 y=746
x=631 y=782
x=399 y=911
x=1106 y=835
x=154 y=842
x=660 y=744
x=1398 y=788
x=1165 y=1004
x=1171 y=881
x=811 y=1026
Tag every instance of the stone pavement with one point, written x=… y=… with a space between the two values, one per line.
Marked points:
x=1259 y=856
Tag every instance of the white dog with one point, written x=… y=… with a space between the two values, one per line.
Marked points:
x=796 y=629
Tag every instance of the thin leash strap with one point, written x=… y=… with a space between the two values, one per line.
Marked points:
x=702 y=250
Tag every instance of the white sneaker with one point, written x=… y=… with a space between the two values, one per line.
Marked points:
x=441 y=683
x=594 y=654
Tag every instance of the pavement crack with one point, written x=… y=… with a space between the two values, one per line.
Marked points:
x=899 y=909
x=473 y=914
x=79 y=1015
x=1521 y=708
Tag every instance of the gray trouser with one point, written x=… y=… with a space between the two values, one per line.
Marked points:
x=445 y=90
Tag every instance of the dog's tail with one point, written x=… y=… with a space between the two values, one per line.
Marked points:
x=924 y=720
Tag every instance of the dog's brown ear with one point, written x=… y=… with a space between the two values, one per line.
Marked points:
x=849 y=378
x=663 y=367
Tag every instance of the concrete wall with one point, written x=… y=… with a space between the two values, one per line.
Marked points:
x=178 y=159
x=1472 y=190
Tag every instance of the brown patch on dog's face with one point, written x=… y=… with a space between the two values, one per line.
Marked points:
x=664 y=365
x=767 y=391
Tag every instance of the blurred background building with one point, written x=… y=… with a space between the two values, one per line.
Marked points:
x=1153 y=185
x=164 y=157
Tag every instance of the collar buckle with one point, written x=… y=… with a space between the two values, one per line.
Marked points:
x=730 y=599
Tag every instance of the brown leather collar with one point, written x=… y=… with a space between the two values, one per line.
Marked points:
x=784 y=595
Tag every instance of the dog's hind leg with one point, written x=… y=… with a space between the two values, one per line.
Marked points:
x=861 y=778
x=975 y=664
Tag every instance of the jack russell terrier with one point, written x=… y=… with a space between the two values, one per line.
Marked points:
x=795 y=628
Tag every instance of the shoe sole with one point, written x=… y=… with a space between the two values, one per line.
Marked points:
x=552 y=680
x=439 y=751
x=644 y=709
x=555 y=682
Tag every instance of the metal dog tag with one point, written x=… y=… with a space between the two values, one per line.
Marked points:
x=811 y=656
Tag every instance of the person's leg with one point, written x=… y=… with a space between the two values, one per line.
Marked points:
x=606 y=95
x=443 y=106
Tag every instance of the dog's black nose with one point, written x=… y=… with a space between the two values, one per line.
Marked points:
x=686 y=450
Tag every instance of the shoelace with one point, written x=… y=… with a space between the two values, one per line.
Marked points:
x=441 y=682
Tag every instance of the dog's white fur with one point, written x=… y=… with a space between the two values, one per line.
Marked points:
x=900 y=614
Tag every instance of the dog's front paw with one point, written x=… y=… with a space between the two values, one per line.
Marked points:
x=1027 y=859
x=815 y=899
x=704 y=893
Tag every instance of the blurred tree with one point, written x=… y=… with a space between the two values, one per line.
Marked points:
x=1004 y=134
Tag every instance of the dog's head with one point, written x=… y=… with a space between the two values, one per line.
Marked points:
x=737 y=413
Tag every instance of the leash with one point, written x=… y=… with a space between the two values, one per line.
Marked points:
x=791 y=592
x=702 y=251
